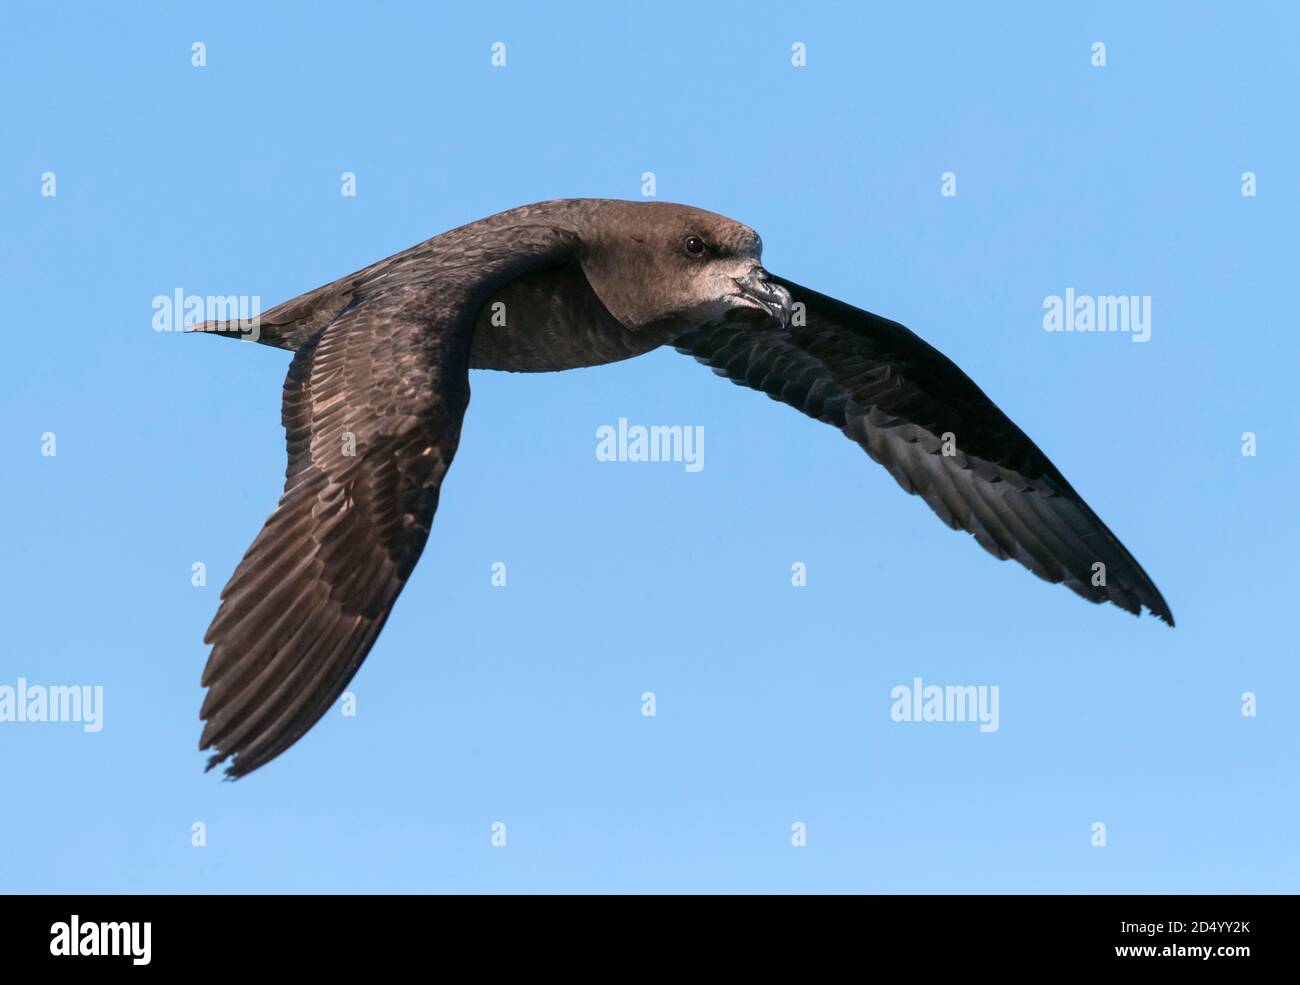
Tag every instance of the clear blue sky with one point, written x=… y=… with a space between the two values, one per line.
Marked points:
x=523 y=704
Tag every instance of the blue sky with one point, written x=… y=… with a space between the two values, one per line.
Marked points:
x=522 y=704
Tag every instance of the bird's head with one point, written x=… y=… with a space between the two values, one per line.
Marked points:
x=662 y=267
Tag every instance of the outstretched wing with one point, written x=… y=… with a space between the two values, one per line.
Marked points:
x=372 y=415
x=924 y=420
x=372 y=411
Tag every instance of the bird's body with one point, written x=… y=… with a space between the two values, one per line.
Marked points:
x=379 y=384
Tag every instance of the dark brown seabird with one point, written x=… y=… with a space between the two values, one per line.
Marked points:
x=379 y=383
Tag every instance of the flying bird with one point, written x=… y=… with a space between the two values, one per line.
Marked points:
x=379 y=384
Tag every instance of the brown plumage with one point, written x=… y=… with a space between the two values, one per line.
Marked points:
x=379 y=384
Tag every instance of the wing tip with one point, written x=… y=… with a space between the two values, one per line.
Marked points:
x=1163 y=613
x=233 y=771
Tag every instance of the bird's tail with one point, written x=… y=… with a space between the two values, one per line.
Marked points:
x=287 y=325
x=248 y=329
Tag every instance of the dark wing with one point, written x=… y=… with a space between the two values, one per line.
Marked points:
x=372 y=411
x=898 y=398
x=372 y=417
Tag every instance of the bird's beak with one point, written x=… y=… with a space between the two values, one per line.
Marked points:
x=757 y=286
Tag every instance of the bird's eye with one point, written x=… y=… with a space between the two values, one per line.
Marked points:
x=694 y=245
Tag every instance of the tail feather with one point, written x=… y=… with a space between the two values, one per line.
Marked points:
x=288 y=325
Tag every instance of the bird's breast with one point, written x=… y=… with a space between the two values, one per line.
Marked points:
x=551 y=320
